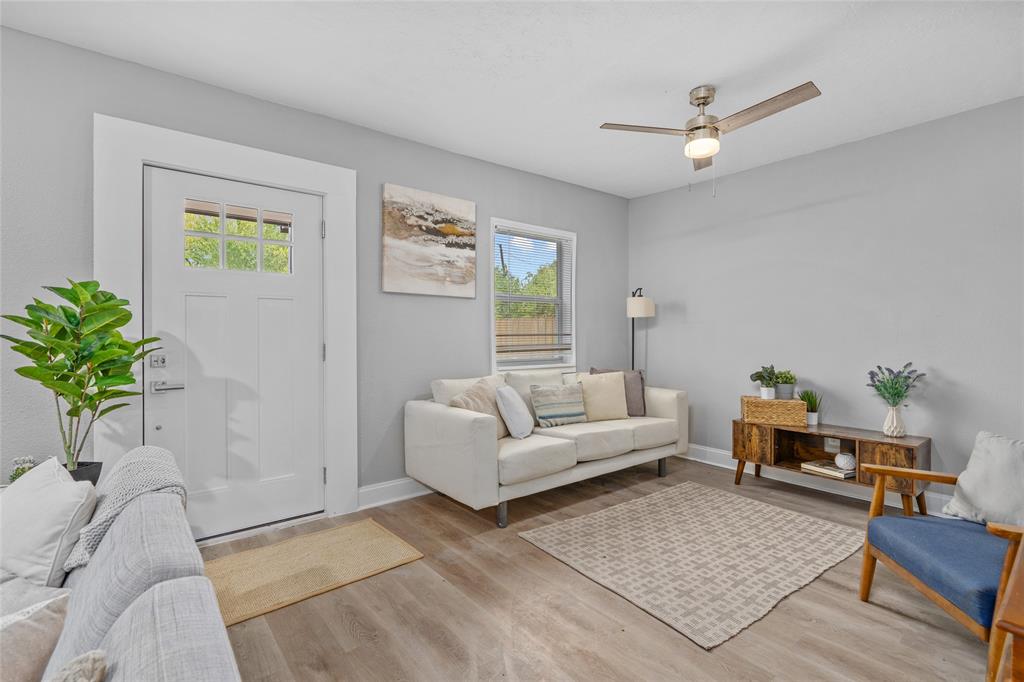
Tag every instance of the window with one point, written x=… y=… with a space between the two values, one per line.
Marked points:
x=241 y=244
x=533 y=296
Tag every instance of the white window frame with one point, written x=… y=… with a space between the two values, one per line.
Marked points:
x=542 y=232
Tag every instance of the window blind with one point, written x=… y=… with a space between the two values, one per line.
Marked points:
x=533 y=280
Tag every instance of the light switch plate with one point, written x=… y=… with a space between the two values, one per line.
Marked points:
x=832 y=445
x=157 y=361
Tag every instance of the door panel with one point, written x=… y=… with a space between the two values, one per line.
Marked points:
x=234 y=289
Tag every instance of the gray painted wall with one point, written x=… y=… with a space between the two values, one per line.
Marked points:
x=50 y=92
x=892 y=249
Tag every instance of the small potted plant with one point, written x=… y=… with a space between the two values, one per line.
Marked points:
x=21 y=466
x=813 y=401
x=79 y=354
x=786 y=383
x=894 y=387
x=768 y=378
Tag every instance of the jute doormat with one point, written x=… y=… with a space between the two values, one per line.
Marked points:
x=261 y=580
x=706 y=562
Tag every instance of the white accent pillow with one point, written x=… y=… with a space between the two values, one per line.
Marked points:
x=40 y=516
x=604 y=396
x=522 y=380
x=514 y=411
x=991 y=488
x=444 y=390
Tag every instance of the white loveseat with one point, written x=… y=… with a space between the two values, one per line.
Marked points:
x=456 y=452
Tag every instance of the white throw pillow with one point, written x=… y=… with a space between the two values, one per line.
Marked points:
x=444 y=390
x=40 y=516
x=515 y=412
x=604 y=396
x=992 y=486
x=522 y=380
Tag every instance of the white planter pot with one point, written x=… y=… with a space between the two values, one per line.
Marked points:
x=893 y=426
x=812 y=418
x=767 y=393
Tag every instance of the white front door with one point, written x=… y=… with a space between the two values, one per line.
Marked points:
x=233 y=288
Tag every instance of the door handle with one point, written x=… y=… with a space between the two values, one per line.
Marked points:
x=163 y=387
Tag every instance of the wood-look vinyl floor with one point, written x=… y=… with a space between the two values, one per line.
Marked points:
x=485 y=604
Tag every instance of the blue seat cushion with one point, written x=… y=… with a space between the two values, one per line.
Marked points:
x=958 y=559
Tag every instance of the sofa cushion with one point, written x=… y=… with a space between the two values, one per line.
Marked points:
x=958 y=559
x=604 y=396
x=28 y=636
x=17 y=593
x=149 y=542
x=594 y=440
x=521 y=381
x=514 y=411
x=529 y=458
x=443 y=390
x=650 y=432
x=171 y=632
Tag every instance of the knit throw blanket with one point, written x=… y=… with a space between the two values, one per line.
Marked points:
x=146 y=469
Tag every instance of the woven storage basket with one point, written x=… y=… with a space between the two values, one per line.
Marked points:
x=781 y=412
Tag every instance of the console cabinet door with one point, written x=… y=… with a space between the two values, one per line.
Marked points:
x=752 y=442
x=889 y=455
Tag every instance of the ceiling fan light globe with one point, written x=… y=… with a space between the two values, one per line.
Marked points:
x=701 y=147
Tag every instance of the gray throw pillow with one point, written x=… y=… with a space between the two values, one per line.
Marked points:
x=634 y=378
x=515 y=412
x=990 y=489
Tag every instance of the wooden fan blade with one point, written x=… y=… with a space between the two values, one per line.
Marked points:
x=699 y=164
x=642 y=129
x=788 y=99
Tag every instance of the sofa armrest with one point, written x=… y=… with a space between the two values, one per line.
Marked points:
x=453 y=451
x=669 y=403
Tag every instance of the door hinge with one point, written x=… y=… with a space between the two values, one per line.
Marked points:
x=323 y=229
x=325 y=475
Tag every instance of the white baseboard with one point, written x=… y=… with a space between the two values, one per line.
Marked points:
x=386 y=492
x=723 y=459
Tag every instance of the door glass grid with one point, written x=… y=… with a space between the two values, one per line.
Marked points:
x=240 y=238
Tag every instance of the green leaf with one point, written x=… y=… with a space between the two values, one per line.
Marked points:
x=107 y=410
x=106 y=355
x=52 y=342
x=114 y=393
x=23 y=321
x=146 y=341
x=116 y=317
x=71 y=315
x=121 y=380
x=90 y=308
x=64 y=388
x=69 y=295
x=37 y=373
x=46 y=312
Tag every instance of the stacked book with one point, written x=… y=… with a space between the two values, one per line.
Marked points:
x=826 y=467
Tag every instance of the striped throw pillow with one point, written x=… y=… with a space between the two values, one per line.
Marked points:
x=557 y=405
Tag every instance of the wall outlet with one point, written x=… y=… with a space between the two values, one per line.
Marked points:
x=832 y=445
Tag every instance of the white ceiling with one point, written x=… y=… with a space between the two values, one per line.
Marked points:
x=527 y=85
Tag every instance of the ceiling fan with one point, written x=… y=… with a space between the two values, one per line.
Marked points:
x=702 y=130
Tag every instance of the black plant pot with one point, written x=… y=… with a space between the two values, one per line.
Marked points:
x=86 y=471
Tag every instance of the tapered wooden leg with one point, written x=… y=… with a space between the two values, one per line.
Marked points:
x=867 y=572
x=502 y=514
x=740 y=463
x=663 y=467
x=908 y=505
x=921 y=506
x=757 y=471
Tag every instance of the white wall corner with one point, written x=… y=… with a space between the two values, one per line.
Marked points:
x=723 y=458
x=386 y=492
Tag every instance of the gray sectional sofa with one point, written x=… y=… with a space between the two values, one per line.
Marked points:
x=144 y=601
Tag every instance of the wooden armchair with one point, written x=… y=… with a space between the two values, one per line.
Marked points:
x=961 y=566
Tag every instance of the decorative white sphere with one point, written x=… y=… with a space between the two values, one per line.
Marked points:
x=844 y=460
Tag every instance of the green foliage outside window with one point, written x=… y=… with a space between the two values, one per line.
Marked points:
x=544 y=282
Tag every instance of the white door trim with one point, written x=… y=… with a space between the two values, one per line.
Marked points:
x=120 y=149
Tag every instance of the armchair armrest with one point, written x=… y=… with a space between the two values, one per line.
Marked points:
x=668 y=403
x=882 y=471
x=453 y=451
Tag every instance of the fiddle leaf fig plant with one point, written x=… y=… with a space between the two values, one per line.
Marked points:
x=79 y=354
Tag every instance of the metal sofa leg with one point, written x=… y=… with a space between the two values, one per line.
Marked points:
x=663 y=467
x=503 y=514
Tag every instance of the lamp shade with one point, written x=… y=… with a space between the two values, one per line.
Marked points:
x=639 y=306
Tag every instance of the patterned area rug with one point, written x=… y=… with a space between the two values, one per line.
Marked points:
x=257 y=581
x=706 y=562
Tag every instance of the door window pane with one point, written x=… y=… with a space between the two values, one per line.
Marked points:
x=202 y=216
x=277 y=258
x=277 y=226
x=240 y=221
x=202 y=252
x=240 y=254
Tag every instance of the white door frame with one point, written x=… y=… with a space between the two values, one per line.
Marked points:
x=120 y=149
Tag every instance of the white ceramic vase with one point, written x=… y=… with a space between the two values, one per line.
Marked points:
x=812 y=418
x=768 y=393
x=894 y=427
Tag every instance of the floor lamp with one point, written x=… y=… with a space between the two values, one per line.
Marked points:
x=637 y=305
